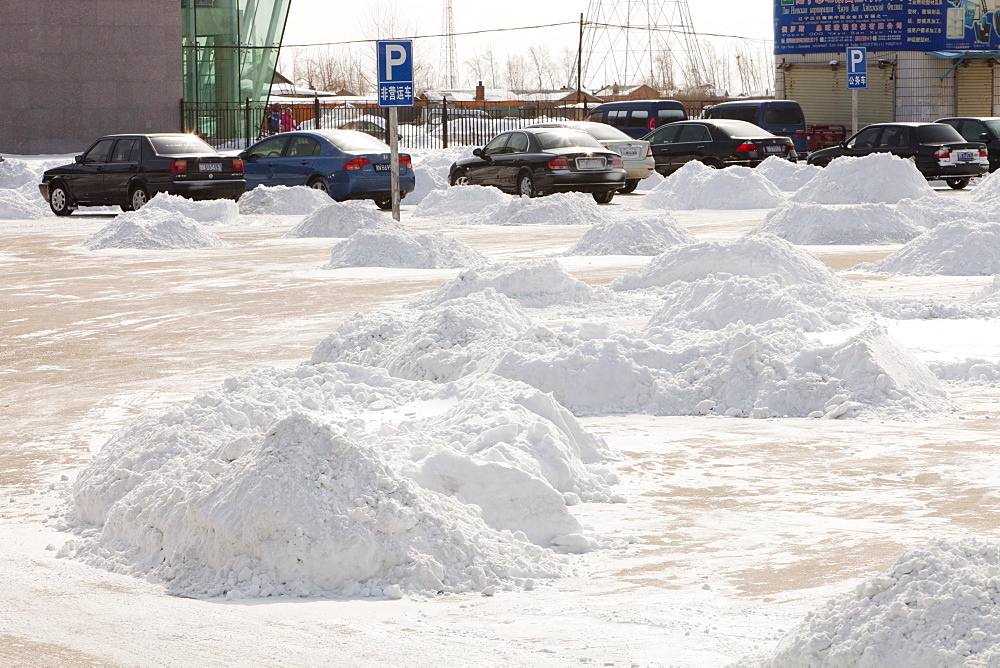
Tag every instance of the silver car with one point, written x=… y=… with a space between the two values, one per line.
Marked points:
x=636 y=153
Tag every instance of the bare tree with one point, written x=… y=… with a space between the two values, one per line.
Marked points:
x=539 y=62
x=516 y=73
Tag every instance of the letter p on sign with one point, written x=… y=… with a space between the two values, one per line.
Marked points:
x=394 y=55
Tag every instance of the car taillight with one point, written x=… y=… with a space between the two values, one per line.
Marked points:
x=355 y=164
x=652 y=124
x=941 y=153
x=238 y=165
x=404 y=160
x=179 y=167
x=745 y=147
x=983 y=153
x=617 y=162
x=649 y=151
x=558 y=163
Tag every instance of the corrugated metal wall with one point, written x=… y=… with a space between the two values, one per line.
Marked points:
x=825 y=98
x=912 y=79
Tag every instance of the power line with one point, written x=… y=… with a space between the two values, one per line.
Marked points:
x=546 y=25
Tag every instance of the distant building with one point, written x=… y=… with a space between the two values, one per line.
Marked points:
x=74 y=71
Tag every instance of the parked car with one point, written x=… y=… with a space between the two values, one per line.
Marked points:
x=637 y=117
x=370 y=125
x=986 y=130
x=538 y=161
x=435 y=116
x=779 y=117
x=347 y=164
x=716 y=143
x=637 y=155
x=936 y=149
x=128 y=170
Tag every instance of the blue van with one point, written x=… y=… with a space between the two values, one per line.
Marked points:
x=637 y=118
x=779 y=117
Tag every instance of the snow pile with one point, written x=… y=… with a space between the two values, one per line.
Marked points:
x=442 y=343
x=14 y=204
x=207 y=212
x=939 y=605
x=641 y=233
x=533 y=283
x=341 y=220
x=971 y=370
x=721 y=300
x=556 y=209
x=282 y=200
x=339 y=480
x=151 y=229
x=987 y=192
x=650 y=181
x=396 y=246
x=739 y=371
x=952 y=249
x=25 y=175
x=876 y=178
x=755 y=256
x=431 y=169
x=932 y=211
x=695 y=186
x=460 y=201
x=788 y=176
x=848 y=224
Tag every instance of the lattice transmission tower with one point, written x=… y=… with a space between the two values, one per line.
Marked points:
x=632 y=42
x=449 y=59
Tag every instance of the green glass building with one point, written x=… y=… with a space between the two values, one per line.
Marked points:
x=230 y=49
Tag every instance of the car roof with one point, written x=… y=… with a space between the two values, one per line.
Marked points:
x=907 y=124
x=638 y=103
x=968 y=118
x=735 y=103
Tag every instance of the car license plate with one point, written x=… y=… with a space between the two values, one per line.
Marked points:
x=210 y=167
x=630 y=153
x=590 y=163
x=772 y=149
x=966 y=156
x=383 y=167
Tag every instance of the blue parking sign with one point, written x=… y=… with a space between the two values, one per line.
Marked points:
x=395 y=73
x=857 y=67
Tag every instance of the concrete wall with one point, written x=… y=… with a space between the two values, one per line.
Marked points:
x=72 y=71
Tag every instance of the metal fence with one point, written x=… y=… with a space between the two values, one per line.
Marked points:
x=235 y=126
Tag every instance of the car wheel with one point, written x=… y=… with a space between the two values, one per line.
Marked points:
x=59 y=200
x=460 y=178
x=525 y=185
x=138 y=198
x=319 y=183
x=604 y=197
x=384 y=203
x=820 y=163
x=714 y=164
x=630 y=186
x=957 y=184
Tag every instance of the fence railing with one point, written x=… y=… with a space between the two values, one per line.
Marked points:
x=235 y=126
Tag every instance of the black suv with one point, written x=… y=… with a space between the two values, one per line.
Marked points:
x=128 y=170
x=937 y=150
x=986 y=130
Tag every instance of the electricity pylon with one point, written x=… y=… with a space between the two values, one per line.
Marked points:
x=449 y=62
x=631 y=42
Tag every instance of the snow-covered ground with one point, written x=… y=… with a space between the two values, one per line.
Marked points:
x=517 y=432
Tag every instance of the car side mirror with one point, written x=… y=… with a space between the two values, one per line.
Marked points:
x=985 y=136
x=843 y=144
x=78 y=159
x=478 y=152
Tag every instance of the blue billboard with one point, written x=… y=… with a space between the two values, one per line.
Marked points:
x=808 y=26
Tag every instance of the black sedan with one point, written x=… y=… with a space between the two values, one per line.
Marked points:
x=986 y=130
x=717 y=143
x=128 y=170
x=937 y=150
x=538 y=161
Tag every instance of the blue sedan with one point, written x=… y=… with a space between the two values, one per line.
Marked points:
x=344 y=163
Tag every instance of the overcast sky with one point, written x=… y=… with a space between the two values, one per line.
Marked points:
x=314 y=21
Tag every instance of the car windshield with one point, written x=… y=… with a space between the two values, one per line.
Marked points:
x=937 y=133
x=179 y=145
x=605 y=132
x=356 y=141
x=742 y=129
x=566 y=139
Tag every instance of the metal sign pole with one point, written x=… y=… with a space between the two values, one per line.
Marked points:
x=854 y=111
x=394 y=159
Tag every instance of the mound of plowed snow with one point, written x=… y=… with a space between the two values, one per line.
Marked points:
x=341 y=220
x=282 y=200
x=399 y=247
x=461 y=201
x=557 y=209
x=849 y=224
x=695 y=186
x=530 y=282
x=206 y=212
x=952 y=249
x=641 y=233
x=788 y=176
x=932 y=211
x=151 y=229
x=873 y=179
